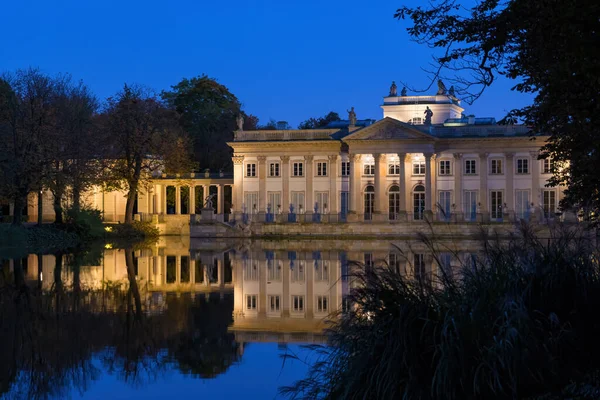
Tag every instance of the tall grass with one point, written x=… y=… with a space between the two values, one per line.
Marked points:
x=520 y=322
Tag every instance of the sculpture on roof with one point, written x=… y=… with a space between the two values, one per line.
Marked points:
x=428 y=114
x=393 y=89
x=441 y=88
x=352 y=116
x=451 y=91
x=240 y=122
x=403 y=92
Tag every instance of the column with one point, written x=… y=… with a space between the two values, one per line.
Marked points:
x=177 y=200
x=355 y=173
x=310 y=203
x=483 y=174
x=285 y=187
x=285 y=300
x=262 y=184
x=164 y=199
x=333 y=192
x=377 y=205
x=403 y=190
x=458 y=206
x=509 y=196
x=220 y=203
x=535 y=187
x=429 y=157
x=237 y=192
x=192 y=200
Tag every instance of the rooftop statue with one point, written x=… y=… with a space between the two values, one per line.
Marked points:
x=428 y=114
x=403 y=92
x=240 y=122
x=451 y=91
x=393 y=89
x=352 y=116
x=441 y=88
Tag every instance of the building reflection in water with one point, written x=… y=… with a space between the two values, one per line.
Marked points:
x=283 y=291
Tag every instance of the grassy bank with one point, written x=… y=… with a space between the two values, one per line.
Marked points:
x=519 y=321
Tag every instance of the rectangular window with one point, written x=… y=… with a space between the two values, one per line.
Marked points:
x=394 y=169
x=548 y=166
x=470 y=167
x=251 y=170
x=322 y=168
x=251 y=302
x=496 y=166
x=274 y=303
x=522 y=204
x=496 y=204
x=445 y=167
x=274 y=169
x=322 y=303
x=522 y=166
x=369 y=169
x=250 y=270
x=549 y=198
x=298 y=303
x=273 y=270
x=298 y=169
x=298 y=272
x=418 y=167
x=322 y=270
x=345 y=168
x=394 y=262
x=297 y=205
x=419 y=265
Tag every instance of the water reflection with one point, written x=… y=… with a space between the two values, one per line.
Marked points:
x=194 y=307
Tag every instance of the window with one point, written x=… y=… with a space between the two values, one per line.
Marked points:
x=322 y=270
x=298 y=273
x=273 y=270
x=322 y=303
x=496 y=166
x=394 y=262
x=251 y=170
x=522 y=166
x=274 y=169
x=470 y=167
x=298 y=303
x=345 y=168
x=322 y=168
x=274 y=303
x=251 y=302
x=369 y=169
x=445 y=167
x=298 y=169
x=548 y=166
x=549 y=198
x=416 y=121
x=250 y=270
x=418 y=167
x=419 y=265
x=394 y=169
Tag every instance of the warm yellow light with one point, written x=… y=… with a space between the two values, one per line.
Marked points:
x=108 y=228
x=108 y=246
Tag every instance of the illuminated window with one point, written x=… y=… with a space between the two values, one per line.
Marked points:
x=274 y=169
x=251 y=302
x=418 y=167
x=394 y=169
x=496 y=166
x=251 y=170
x=274 y=303
x=369 y=169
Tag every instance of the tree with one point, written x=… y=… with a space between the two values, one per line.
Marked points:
x=550 y=48
x=250 y=122
x=27 y=113
x=208 y=112
x=141 y=136
x=321 y=122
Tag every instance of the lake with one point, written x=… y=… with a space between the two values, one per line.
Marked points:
x=182 y=316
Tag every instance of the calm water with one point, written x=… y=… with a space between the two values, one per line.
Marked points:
x=180 y=317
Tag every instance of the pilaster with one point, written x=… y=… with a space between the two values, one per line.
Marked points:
x=310 y=203
x=285 y=174
x=483 y=188
x=262 y=184
x=355 y=174
x=429 y=169
x=458 y=207
x=333 y=192
x=238 y=182
x=509 y=195
x=403 y=190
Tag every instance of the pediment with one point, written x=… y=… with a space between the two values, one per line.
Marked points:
x=389 y=129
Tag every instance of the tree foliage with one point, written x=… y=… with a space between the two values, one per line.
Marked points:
x=142 y=137
x=321 y=122
x=208 y=112
x=549 y=47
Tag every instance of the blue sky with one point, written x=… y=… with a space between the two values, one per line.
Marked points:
x=286 y=60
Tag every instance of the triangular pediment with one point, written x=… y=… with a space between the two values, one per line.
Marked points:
x=389 y=129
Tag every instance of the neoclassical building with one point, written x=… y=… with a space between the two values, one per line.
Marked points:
x=424 y=160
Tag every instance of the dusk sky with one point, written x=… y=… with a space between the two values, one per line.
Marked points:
x=285 y=60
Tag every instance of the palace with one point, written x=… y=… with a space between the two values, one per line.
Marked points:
x=424 y=160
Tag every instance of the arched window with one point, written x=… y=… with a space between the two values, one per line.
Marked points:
x=418 y=202
x=369 y=202
x=394 y=202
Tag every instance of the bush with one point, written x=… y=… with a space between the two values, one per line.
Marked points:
x=135 y=230
x=85 y=222
x=520 y=322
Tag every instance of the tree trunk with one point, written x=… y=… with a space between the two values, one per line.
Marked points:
x=130 y=203
x=133 y=287
x=58 y=209
x=40 y=218
x=76 y=197
x=18 y=210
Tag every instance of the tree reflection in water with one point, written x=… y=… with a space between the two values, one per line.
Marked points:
x=50 y=339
